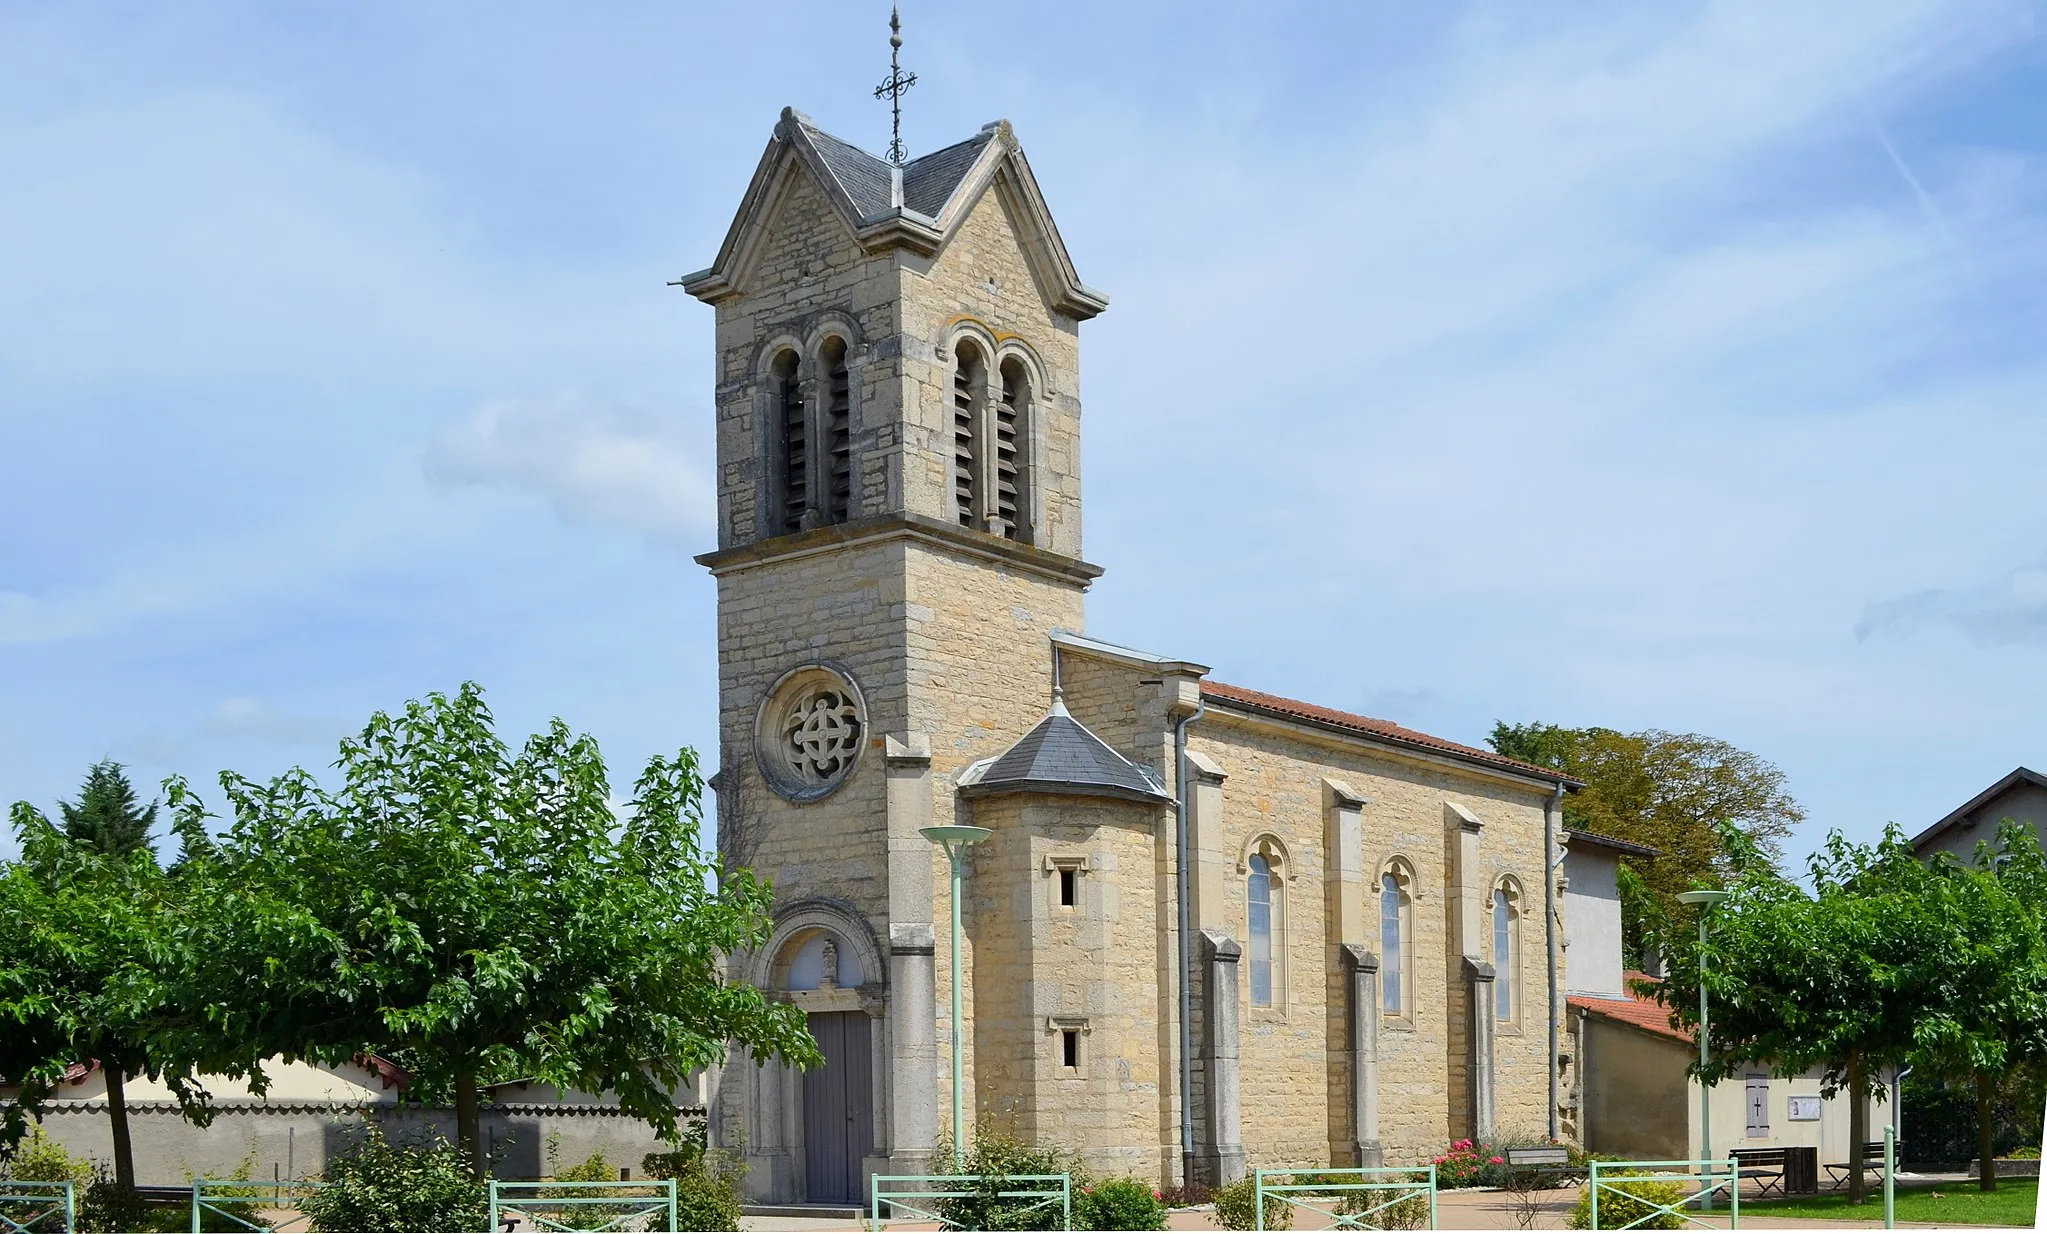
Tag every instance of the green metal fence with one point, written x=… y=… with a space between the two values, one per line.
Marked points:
x=37 y=1208
x=920 y=1197
x=1709 y=1177
x=1351 y=1198
x=241 y=1203
x=586 y=1206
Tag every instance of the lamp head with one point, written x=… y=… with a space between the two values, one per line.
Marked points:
x=946 y=837
x=1702 y=897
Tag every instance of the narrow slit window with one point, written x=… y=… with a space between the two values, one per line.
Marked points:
x=966 y=379
x=1069 y=888
x=1069 y=1048
x=838 y=433
x=794 y=423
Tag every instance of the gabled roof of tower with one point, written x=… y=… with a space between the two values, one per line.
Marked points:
x=1061 y=756
x=918 y=206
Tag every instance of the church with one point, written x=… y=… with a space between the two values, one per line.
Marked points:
x=1211 y=928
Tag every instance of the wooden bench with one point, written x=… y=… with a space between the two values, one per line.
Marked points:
x=1553 y=1161
x=1766 y=1165
x=1873 y=1159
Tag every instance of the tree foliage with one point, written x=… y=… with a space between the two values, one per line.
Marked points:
x=1670 y=791
x=107 y=817
x=89 y=970
x=1887 y=960
x=481 y=912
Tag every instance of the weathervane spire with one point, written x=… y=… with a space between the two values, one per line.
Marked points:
x=898 y=82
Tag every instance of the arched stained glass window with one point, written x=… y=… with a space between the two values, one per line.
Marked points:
x=1391 y=944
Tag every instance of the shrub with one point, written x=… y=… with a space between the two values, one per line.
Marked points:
x=706 y=1185
x=380 y=1186
x=2023 y=1154
x=1192 y=1195
x=42 y=1160
x=1119 y=1204
x=1236 y=1208
x=1407 y=1213
x=1638 y=1201
x=1464 y=1165
x=995 y=1158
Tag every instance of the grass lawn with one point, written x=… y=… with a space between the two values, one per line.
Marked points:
x=1956 y=1203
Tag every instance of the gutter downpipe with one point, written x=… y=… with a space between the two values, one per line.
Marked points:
x=1185 y=929
x=1551 y=859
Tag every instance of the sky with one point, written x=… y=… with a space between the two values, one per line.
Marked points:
x=1652 y=366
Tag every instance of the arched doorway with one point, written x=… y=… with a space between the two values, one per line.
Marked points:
x=818 y=969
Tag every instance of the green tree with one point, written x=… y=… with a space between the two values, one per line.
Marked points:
x=107 y=817
x=1837 y=979
x=1671 y=791
x=1989 y=1015
x=88 y=971
x=481 y=912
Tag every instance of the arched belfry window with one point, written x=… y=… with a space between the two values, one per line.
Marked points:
x=969 y=378
x=837 y=435
x=1264 y=871
x=1506 y=950
x=792 y=462
x=1396 y=939
x=1011 y=478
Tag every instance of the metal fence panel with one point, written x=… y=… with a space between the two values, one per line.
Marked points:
x=917 y=1196
x=1710 y=1176
x=1341 y=1187
x=37 y=1207
x=585 y=1206
x=240 y=1200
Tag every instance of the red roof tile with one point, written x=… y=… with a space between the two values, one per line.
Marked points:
x=1642 y=1013
x=1273 y=704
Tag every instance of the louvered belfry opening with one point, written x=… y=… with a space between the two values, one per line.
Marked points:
x=838 y=433
x=966 y=382
x=795 y=460
x=1010 y=452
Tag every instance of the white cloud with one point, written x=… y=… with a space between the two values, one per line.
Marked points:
x=2011 y=612
x=597 y=462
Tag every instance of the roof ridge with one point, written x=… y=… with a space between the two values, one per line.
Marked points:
x=1371 y=726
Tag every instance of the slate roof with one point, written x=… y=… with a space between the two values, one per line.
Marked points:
x=1650 y=1017
x=1061 y=756
x=928 y=181
x=1259 y=702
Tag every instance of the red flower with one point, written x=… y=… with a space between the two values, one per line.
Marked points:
x=1499 y=1161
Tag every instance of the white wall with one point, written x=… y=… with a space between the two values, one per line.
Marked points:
x=2023 y=801
x=1592 y=923
x=1730 y=1118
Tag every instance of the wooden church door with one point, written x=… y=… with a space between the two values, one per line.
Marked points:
x=838 y=1113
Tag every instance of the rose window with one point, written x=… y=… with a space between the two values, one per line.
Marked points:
x=809 y=731
x=823 y=731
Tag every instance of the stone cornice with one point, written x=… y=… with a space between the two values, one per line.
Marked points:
x=881 y=528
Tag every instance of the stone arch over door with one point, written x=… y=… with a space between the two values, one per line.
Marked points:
x=818 y=1131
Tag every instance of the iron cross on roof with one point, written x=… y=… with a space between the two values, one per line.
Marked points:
x=893 y=89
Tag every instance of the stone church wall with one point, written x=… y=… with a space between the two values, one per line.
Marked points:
x=1294 y=1059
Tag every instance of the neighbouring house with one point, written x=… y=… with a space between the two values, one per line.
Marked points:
x=1629 y=1093
x=2022 y=796
x=312 y=1111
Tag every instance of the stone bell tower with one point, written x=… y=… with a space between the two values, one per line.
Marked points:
x=899 y=532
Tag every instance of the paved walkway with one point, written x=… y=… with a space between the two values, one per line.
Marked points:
x=1455 y=1210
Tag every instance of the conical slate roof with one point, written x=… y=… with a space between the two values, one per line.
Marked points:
x=1061 y=756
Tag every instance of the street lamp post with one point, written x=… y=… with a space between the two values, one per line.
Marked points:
x=1705 y=900
x=954 y=841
